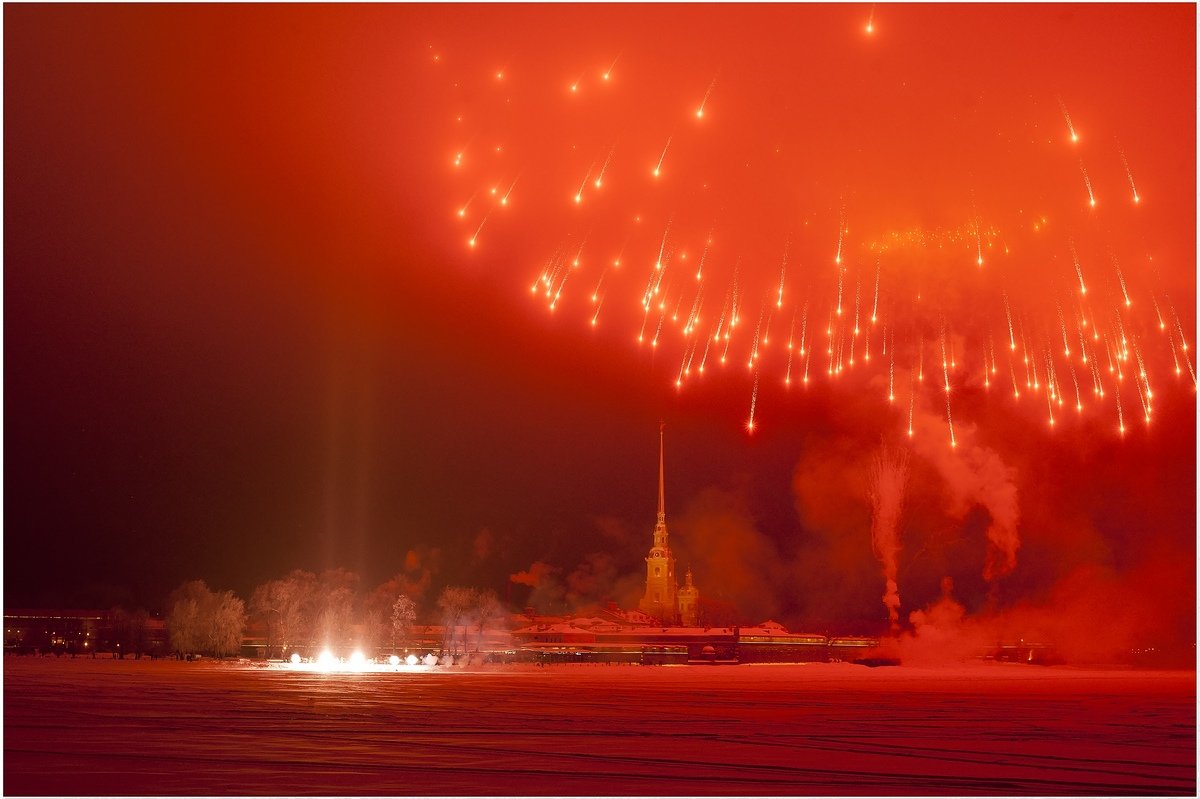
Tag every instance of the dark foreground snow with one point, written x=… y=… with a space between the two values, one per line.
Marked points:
x=136 y=727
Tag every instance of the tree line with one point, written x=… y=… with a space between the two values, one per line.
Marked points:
x=307 y=612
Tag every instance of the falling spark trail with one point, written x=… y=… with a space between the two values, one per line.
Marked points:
x=694 y=315
x=1191 y=370
x=1050 y=407
x=604 y=168
x=803 y=326
x=658 y=166
x=703 y=257
x=1067 y=117
x=857 y=294
x=875 y=304
x=700 y=110
x=1012 y=341
x=471 y=242
x=1078 y=269
x=753 y=404
x=462 y=211
x=912 y=395
x=1087 y=181
x=1178 y=326
x=757 y=338
x=1121 y=280
x=687 y=369
x=945 y=373
x=579 y=194
x=1129 y=174
x=782 y=272
x=596 y=293
x=841 y=229
x=921 y=359
x=608 y=72
x=1062 y=322
x=507 y=194
x=1120 y=411
x=950 y=422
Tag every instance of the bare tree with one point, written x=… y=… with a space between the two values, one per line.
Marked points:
x=455 y=602
x=488 y=613
x=404 y=614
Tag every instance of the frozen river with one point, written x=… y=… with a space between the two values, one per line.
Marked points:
x=136 y=727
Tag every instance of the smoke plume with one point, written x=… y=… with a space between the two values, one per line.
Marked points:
x=889 y=477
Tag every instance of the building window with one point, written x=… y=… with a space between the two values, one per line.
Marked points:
x=656 y=571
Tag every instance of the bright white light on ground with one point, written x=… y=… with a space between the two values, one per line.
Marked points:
x=357 y=663
x=295 y=658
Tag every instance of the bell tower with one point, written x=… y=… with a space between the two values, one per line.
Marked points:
x=689 y=598
x=661 y=600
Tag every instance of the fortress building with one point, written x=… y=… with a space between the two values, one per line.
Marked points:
x=664 y=599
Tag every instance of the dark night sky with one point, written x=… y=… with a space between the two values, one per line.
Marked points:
x=244 y=333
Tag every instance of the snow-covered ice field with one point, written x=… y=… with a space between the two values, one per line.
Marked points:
x=138 y=727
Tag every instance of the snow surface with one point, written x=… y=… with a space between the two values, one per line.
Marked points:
x=106 y=727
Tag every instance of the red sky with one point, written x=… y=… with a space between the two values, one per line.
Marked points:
x=245 y=331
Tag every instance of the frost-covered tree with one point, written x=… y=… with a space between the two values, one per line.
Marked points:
x=404 y=614
x=200 y=620
x=336 y=597
x=226 y=617
x=283 y=606
x=184 y=624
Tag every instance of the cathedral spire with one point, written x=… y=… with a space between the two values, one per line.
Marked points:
x=662 y=503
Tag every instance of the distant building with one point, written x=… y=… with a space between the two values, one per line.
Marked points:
x=83 y=632
x=663 y=600
x=688 y=597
